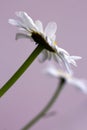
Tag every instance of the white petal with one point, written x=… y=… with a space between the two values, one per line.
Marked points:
x=13 y=22
x=57 y=58
x=62 y=58
x=60 y=50
x=78 y=83
x=68 y=67
x=43 y=56
x=76 y=57
x=26 y=19
x=21 y=35
x=39 y=25
x=50 y=29
x=72 y=61
x=53 y=38
x=51 y=71
x=49 y=55
x=17 y=23
x=65 y=61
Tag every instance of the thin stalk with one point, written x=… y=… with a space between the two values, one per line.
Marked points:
x=21 y=70
x=47 y=107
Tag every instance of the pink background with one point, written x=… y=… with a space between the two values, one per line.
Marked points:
x=32 y=91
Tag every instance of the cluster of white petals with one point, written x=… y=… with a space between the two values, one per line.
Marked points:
x=69 y=78
x=29 y=27
x=61 y=56
x=47 y=37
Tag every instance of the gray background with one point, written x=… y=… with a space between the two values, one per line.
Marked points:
x=32 y=91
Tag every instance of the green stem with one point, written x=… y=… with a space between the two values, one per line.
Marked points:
x=21 y=70
x=47 y=107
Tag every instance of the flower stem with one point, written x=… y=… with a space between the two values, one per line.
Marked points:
x=47 y=107
x=21 y=70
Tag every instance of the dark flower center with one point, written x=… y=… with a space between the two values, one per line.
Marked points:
x=38 y=38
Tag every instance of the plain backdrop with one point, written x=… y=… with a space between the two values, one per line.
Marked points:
x=33 y=90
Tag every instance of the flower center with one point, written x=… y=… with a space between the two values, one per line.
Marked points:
x=39 y=39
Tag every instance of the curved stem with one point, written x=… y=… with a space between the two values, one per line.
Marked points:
x=47 y=107
x=21 y=70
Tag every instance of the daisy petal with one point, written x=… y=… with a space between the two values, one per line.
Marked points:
x=51 y=71
x=76 y=57
x=71 y=59
x=53 y=38
x=43 y=56
x=66 y=63
x=60 y=50
x=49 y=55
x=39 y=25
x=13 y=22
x=21 y=35
x=51 y=29
x=17 y=23
x=80 y=84
x=73 y=62
x=57 y=58
x=26 y=19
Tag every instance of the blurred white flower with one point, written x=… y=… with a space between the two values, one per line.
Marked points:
x=34 y=30
x=69 y=78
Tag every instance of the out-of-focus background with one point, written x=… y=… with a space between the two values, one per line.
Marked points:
x=33 y=90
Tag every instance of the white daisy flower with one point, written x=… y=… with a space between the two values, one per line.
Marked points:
x=34 y=30
x=69 y=78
